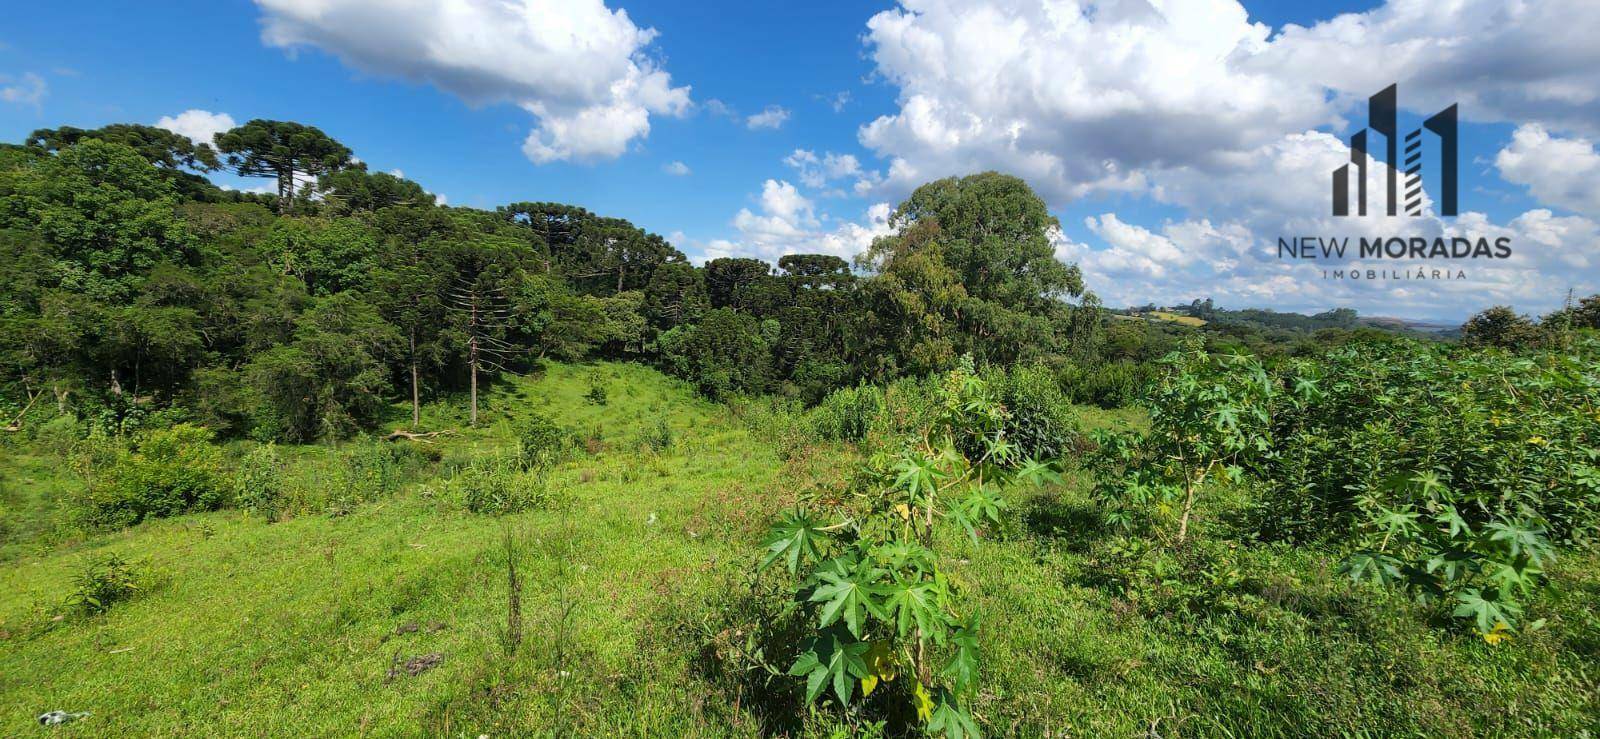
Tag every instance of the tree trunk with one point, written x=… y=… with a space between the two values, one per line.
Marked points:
x=416 y=404
x=285 y=189
x=1188 y=502
x=1188 y=506
x=16 y=425
x=472 y=355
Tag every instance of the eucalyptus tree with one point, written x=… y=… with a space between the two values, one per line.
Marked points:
x=970 y=269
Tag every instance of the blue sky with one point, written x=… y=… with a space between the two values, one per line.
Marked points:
x=1168 y=137
x=103 y=70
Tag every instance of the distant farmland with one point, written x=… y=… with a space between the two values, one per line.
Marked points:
x=1162 y=315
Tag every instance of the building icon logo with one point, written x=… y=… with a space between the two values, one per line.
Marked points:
x=1381 y=118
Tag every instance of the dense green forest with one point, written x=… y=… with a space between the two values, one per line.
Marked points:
x=339 y=460
x=137 y=286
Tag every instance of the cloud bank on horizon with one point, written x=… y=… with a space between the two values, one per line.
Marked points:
x=1188 y=106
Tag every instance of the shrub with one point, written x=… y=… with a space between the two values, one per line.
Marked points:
x=101 y=583
x=870 y=573
x=59 y=434
x=877 y=417
x=1502 y=433
x=258 y=482
x=1424 y=544
x=498 y=484
x=164 y=473
x=658 y=438
x=1449 y=471
x=849 y=414
x=1107 y=384
x=597 y=393
x=781 y=421
x=330 y=381
x=909 y=405
x=1040 y=422
x=593 y=442
x=1501 y=327
x=1208 y=415
x=726 y=354
x=541 y=442
x=368 y=471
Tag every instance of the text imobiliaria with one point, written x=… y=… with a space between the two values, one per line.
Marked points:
x=1393 y=248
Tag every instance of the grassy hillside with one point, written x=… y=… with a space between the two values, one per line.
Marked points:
x=640 y=601
x=290 y=628
x=1183 y=320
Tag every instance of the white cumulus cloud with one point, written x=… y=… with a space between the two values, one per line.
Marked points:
x=580 y=68
x=818 y=172
x=1074 y=98
x=1280 y=190
x=770 y=117
x=1194 y=105
x=1502 y=60
x=26 y=89
x=787 y=222
x=676 y=169
x=1559 y=171
x=1083 y=98
x=200 y=125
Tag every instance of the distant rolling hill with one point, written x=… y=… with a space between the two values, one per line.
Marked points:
x=1402 y=324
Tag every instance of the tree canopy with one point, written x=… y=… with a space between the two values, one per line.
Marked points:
x=158 y=146
x=130 y=291
x=969 y=270
x=282 y=150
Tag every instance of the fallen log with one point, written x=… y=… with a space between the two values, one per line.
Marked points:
x=425 y=437
x=16 y=425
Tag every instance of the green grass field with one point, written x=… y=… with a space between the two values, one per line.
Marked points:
x=640 y=588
